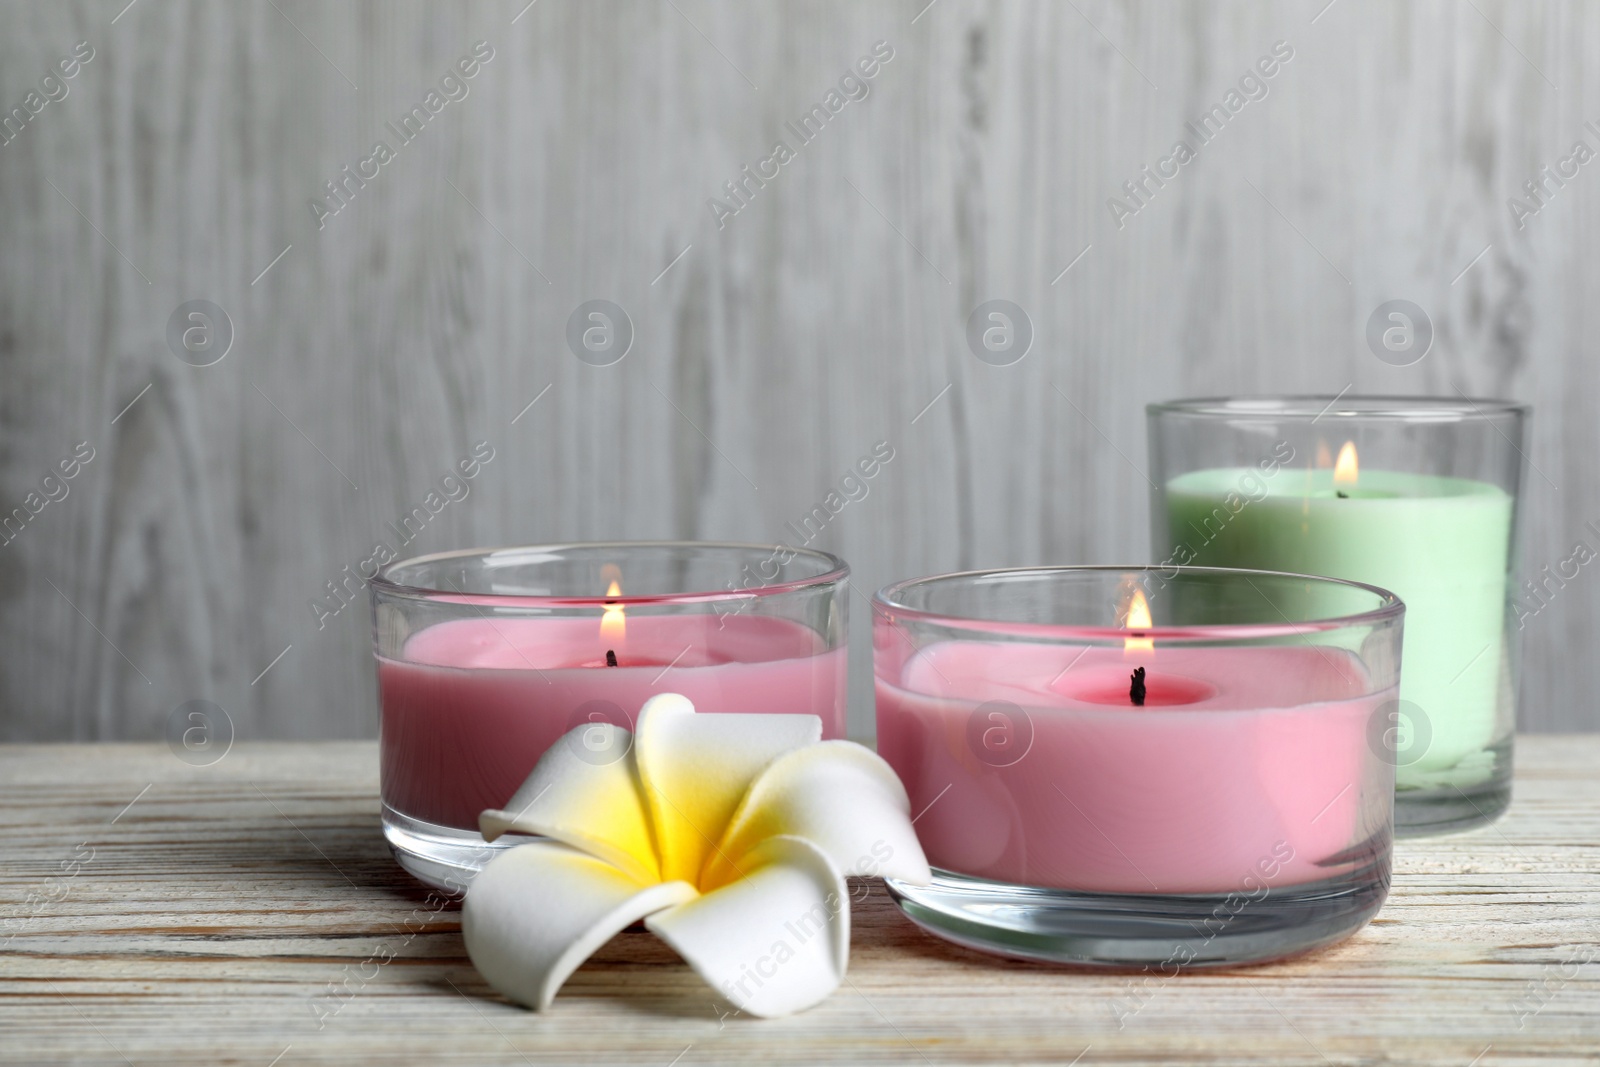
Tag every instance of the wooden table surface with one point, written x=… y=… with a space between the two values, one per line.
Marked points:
x=248 y=913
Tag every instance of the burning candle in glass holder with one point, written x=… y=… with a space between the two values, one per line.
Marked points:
x=486 y=658
x=1088 y=782
x=1417 y=495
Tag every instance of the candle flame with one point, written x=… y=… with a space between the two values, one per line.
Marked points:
x=1137 y=617
x=1345 y=469
x=613 y=623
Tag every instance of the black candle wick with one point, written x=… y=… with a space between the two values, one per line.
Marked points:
x=1136 y=689
x=611 y=658
x=1342 y=494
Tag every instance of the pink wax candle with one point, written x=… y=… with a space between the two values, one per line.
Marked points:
x=487 y=657
x=1093 y=788
x=1239 y=754
x=473 y=702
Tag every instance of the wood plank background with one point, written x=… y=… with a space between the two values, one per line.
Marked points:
x=770 y=353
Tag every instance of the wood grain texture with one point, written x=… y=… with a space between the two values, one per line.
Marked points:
x=231 y=915
x=826 y=315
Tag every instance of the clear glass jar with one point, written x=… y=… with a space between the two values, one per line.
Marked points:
x=1417 y=495
x=487 y=657
x=1142 y=766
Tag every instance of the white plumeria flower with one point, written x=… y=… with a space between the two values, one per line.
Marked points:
x=729 y=835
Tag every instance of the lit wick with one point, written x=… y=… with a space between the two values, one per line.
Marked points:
x=1346 y=470
x=613 y=621
x=1136 y=689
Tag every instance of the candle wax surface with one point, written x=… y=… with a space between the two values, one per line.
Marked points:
x=1441 y=544
x=1268 y=760
x=475 y=702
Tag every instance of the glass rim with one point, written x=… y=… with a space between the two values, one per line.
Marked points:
x=1389 y=608
x=1358 y=408
x=836 y=571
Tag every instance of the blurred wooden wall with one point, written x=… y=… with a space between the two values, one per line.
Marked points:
x=772 y=347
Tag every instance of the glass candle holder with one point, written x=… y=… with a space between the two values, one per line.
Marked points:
x=487 y=657
x=1416 y=495
x=1094 y=787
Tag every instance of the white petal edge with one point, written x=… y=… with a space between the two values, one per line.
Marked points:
x=695 y=769
x=841 y=797
x=587 y=799
x=537 y=911
x=776 y=941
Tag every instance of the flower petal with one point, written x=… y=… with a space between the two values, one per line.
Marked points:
x=694 y=770
x=841 y=797
x=586 y=798
x=537 y=911
x=773 y=942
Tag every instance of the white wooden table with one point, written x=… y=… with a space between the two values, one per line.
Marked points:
x=249 y=913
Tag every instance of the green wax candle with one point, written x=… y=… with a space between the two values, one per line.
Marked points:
x=1440 y=543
